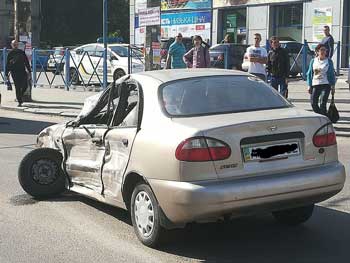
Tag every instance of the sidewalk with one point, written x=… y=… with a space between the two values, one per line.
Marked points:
x=51 y=101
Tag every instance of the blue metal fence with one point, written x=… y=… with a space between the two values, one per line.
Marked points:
x=69 y=70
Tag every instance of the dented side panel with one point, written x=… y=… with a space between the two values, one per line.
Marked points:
x=84 y=156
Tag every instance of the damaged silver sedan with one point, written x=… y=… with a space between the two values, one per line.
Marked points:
x=179 y=146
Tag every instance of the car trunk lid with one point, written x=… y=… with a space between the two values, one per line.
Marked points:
x=264 y=142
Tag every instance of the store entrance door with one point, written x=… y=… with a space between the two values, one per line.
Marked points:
x=234 y=24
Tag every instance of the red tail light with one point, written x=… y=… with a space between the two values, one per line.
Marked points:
x=202 y=149
x=325 y=136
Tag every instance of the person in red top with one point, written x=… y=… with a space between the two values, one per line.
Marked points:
x=198 y=56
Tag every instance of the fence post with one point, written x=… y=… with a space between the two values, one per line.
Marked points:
x=4 y=56
x=34 y=80
x=267 y=45
x=67 y=68
x=129 y=60
x=338 y=58
x=304 y=66
x=226 y=58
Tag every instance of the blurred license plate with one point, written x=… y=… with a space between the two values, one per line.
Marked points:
x=274 y=151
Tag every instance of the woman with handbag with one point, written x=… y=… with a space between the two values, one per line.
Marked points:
x=321 y=80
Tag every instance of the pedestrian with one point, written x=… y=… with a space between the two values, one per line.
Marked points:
x=278 y=66
x=227 y=39
x=198 y=56
x=175 y=54
x=320 y=79
x=18 y=65
x=328 y=41
x=257 y=57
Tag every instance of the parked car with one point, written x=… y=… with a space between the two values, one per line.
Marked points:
x=235 y=53
x=86 y=62
x=295 y=57
x=180 y=146
x=57 y=60
x=165 y=44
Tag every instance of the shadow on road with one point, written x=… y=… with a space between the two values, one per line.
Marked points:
x=19 y=126
x=324 y=238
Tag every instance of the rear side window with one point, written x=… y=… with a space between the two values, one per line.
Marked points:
x=219 y=94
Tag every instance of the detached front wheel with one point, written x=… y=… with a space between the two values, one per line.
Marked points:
x=145 y=216
x=40 y=173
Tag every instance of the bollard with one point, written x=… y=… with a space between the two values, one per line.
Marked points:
x=67 y=68
x=4 y=56
x=34 y=79
x=338 y=58
x=304 y=66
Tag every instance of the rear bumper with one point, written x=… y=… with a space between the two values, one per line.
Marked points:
x=184 y=202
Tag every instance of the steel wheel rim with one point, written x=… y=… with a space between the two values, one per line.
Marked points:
x=144 y=214
x=44 y=171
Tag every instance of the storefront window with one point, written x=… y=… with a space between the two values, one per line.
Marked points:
x=287 y=22
x=234 y=24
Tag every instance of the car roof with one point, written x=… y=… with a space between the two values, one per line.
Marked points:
x=178 y=74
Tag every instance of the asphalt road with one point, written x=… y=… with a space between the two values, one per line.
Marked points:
x=73 y=228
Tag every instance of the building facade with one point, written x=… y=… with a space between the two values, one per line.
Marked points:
x=6 y=22
x=28 y=22
x=296 y=20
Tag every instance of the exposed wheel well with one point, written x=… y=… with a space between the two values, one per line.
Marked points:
x=130 y=182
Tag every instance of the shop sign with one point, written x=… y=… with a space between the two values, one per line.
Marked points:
x=149 y=17
x=185 y=4
x=321 y=17
x=223 y=3
x=140 y=5
x=172 y=19
x=188 y=24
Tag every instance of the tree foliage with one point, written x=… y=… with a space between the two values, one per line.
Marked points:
x=72 y=22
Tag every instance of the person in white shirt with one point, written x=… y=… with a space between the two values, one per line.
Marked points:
x=320 y=79
x=257 y=57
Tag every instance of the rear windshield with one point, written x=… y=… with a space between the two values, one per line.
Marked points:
x=219 y=94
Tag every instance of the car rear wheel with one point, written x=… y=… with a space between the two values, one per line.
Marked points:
x=145 y=215
x=294 y=216
x=40 y=173
x=74 y=76
x=118 y=74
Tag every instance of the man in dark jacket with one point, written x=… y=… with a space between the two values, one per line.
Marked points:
x=17 y=64
x=278 y=66
x=328 y=41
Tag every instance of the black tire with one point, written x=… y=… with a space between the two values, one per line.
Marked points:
x=118 y=74
x=74 y=76
x=154 y=238
x=294 y=216
x=40 y=173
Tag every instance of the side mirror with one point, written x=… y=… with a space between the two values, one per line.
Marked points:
x=79 y=51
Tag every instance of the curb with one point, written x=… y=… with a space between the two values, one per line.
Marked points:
x=35 y=111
